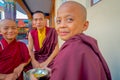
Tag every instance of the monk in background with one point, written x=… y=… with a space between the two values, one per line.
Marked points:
x=14 y=55
x=79 y=57
x=42 y=42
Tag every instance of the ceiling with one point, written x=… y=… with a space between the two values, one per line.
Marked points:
x=43 y=5
x=30 y=6
x=18 y=7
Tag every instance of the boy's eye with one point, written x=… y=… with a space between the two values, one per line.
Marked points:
x=35 y=19
x=69 y=19
x=5 y=28
x=14 y=28
x=41 y=19
x=58 y=21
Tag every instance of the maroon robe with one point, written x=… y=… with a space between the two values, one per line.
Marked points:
x=49 y=43
x=12 y=55
x=80 y=59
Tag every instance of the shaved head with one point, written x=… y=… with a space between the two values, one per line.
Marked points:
x=4 y=21
x=8 y=29
x=71 y=19
x=75 y=6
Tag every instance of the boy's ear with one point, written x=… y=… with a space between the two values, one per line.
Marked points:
x=86 y=24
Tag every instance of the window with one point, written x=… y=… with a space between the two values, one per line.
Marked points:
x=64 y=1
x=93 y=2
x=0 y=15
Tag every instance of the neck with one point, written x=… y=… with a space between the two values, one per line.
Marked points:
x=9 y=40
x=41 y=30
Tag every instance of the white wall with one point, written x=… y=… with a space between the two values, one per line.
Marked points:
x=104 y=19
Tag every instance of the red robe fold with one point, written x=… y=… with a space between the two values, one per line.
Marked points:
x=80 y=59
x=12 y=55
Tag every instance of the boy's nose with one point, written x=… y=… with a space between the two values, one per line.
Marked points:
x=10 y=30
x=62 y=24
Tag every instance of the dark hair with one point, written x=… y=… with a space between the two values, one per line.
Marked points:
x=38 y=12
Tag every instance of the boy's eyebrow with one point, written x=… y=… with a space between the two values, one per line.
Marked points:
x=69 y=16
x=9 y=26
x=66 y=16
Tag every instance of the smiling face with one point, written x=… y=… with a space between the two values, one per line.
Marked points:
x=8 y=29
x=71 y=20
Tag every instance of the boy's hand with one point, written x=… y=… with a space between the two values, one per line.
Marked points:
x=18 y=70
x=11 y=76
x=35 y=64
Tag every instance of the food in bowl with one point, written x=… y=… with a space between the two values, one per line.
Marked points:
x=38 y=73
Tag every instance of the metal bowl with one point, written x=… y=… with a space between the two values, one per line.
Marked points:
x=38 y=73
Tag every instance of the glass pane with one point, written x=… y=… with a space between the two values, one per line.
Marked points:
x=95 y=1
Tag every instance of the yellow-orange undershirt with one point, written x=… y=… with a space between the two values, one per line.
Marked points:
x=41 y=36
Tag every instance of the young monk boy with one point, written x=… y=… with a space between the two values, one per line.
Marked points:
x=79 y=57
x=14 y=55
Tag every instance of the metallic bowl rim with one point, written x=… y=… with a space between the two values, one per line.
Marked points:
x=30 y=71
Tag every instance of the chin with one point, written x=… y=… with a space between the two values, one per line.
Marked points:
x=11 y=39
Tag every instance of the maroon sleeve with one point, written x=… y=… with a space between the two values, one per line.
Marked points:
x=66 y=66
x=77 y=62
x=24 y=52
